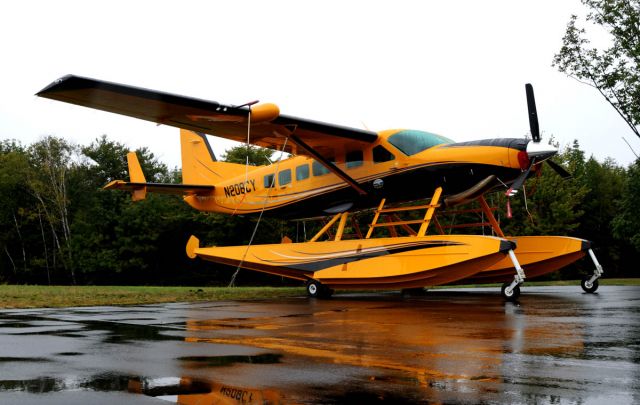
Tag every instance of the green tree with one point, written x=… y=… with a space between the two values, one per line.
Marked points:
x=15 y=205
x=615 y=71
x=51 y=161
x=114 y=238
x=108 y=162
x=626 y=225
x=600 y=205
x=256 y=155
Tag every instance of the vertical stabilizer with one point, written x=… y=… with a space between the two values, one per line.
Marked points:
x=135 y=171
x=136 y=176
x=199 y=165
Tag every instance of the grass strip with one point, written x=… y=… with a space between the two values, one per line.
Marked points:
x=35 y=296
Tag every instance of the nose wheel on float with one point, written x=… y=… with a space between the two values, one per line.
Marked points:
x=590 y=283
x=511 y=291
x=316 y=289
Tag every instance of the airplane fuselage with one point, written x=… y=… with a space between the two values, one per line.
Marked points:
x=300 y=187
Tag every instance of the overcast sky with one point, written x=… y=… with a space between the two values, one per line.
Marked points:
x=455 y=68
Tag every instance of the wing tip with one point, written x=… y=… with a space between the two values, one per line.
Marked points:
x=115 y=184
x=55 y=85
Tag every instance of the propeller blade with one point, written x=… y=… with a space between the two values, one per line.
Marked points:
x=520 y=180
x=559 y=169
x=533 y=113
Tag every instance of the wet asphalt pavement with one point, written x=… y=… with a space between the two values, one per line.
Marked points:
x=557 y=345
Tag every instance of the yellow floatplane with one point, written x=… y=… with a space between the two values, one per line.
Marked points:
x=336 y=170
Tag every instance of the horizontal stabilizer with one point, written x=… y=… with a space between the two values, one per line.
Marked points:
x=163 y=188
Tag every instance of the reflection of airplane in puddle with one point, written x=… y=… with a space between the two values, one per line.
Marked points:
x=189 y=391
x=336 y=170
x=462 y=345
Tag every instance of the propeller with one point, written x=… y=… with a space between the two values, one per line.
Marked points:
x=559 y=169
x=515 y=186
x=537 y=152
x=533 y=113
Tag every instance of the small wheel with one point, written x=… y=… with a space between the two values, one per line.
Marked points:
x=588 y=287
x=512 y=295
x=314 y=289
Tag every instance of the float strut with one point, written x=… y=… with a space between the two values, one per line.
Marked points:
x=519 y=277
x=598 y=271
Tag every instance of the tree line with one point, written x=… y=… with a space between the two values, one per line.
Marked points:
x=58 y=226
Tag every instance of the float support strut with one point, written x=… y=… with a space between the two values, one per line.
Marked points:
x=598 y=272
x=341 y=224
x=519 y=277
x=326 y=227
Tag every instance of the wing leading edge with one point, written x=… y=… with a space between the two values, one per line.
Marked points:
x=210 y=117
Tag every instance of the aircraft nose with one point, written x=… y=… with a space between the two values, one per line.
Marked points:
x=540 y=151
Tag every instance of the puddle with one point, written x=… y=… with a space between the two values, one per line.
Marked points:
x=195 y=391
x=116 y=332
x=23 y=359
x=127 y=333
x=449 y=348
x=221 y=361
x=178 y=390
x=101 y=382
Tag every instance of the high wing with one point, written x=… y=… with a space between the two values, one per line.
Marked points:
x=268 y=128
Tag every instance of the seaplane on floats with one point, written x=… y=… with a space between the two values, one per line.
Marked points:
x=335 y=170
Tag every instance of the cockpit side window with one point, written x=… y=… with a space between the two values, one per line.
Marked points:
x=354 y=159
x=380 y=154
x=411 y=142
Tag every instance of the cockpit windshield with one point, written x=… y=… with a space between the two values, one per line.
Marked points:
x=411 y=141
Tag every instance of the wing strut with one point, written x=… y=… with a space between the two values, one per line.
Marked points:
x=333 y=168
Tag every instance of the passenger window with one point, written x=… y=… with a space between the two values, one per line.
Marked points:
x=269 y=181
x=318 y=169
x=380 y=154
x=284 y=177
x=302 y=172
x=354 y=159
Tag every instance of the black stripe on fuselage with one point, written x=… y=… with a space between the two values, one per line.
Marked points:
x=407 y=186
x=513 y=143
x=324 y=264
